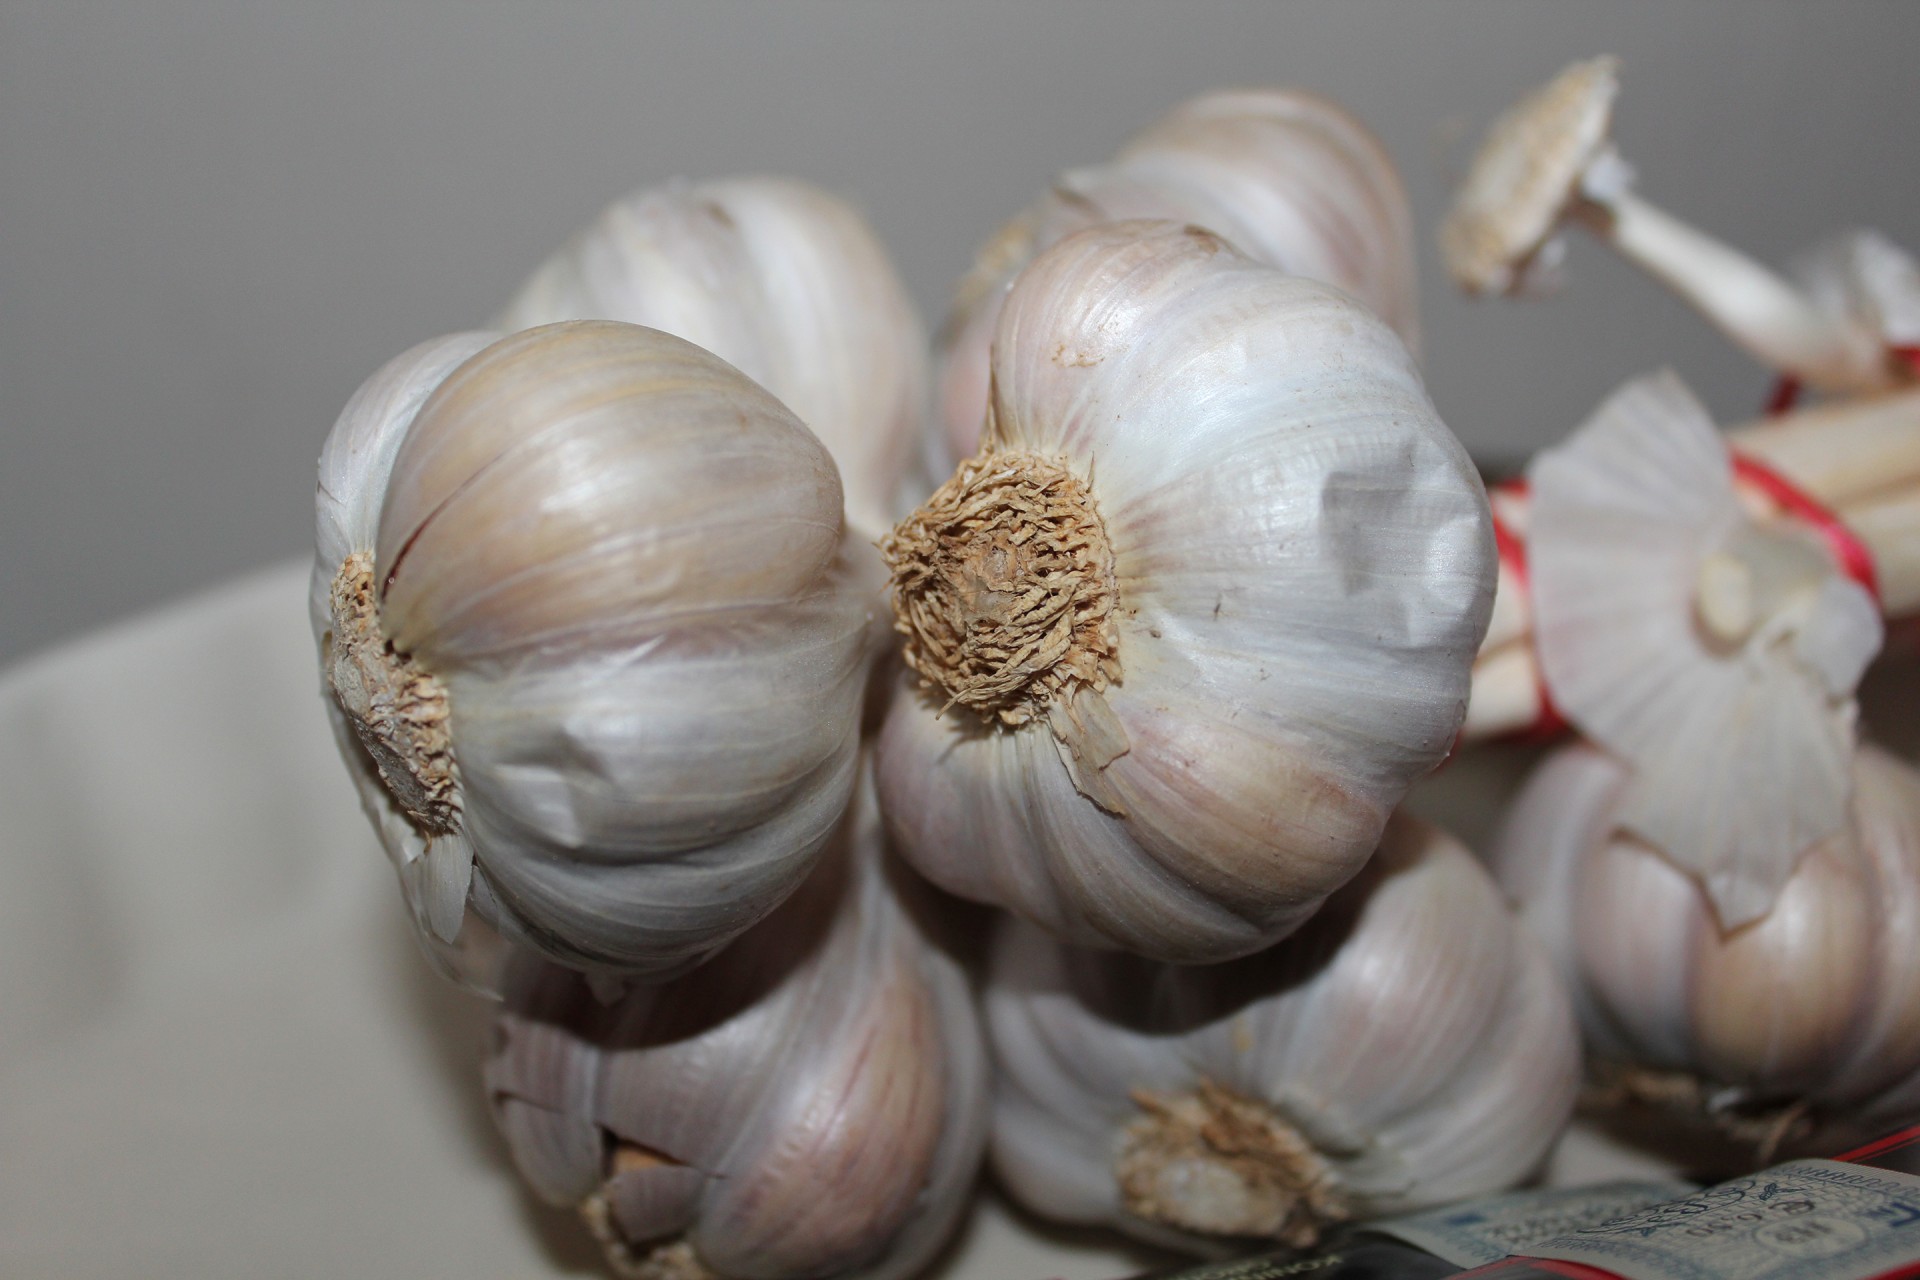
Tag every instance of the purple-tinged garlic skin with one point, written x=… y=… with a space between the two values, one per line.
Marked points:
x=780 y=279
x=1411 y=1045
x=1203 y=608
x=811 y=1102
x=1288 y=177
x=1813 y=1008
x=594 y=639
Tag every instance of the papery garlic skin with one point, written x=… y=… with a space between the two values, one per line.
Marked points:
x=811 y=1102
x=1302 y=567
x=1410 y=1046
x=1288 y=177
x=1816 y=1005
x=780 y=279
x=621 y=565
x=1715 y=651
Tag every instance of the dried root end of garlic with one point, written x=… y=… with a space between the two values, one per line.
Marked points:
x=1217 y=1162
x=1003 y=585
x=397 y=709
x=1763 y=1128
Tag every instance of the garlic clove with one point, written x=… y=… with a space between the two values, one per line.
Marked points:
x=1864 y=279
x=1659 y=605
x=782 y=280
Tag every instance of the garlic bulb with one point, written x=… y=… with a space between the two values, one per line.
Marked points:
x=1196 y=617
x=1549 y=161
x=1408 y=1047
x=811 y=1102
x=1714 y=649
x=1287 y=177
x=594 y=639
x=781 y=280
x=1814 y=1007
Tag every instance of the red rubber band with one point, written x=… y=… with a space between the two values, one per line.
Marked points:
x=1908 y=355
x=1847 y=550
x=1512 y=550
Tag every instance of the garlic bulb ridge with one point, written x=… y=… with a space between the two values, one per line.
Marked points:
x=1407 y=1047
x=785 y=282
x=1288 y=177
x=1203 y=607
x=811 y=1102
x=585 y=604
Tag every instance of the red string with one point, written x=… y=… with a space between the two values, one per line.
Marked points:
x=1786 y=394
x=1847 y=550
x=1512 y=550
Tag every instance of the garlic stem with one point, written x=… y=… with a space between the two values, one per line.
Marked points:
x=1841 y=451
x=1777 y=323
x=1506 y=693
x=1889 y=527
x=1759 y=574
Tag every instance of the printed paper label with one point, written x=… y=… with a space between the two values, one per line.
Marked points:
x=1471 y=1235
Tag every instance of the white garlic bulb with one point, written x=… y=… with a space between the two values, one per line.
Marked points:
x=1409 y=1046
x=1196 y=617
x=1815 y=1007
x=811 y=1102
x=595 y=641
x=1713 y=649
x=1289 y=178
x=783 y=281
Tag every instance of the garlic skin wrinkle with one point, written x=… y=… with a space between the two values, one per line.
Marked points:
x=1550 y=161
x=1288 y=177
x=1410 y=1046
x=811 y=1102
x=1184 y=632
x=785 y=282
x=1814 y=1007
x=593 y=639
x=1714 y=650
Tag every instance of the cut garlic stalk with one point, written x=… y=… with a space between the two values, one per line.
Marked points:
x=1289 y=178
x=1714 y=652
x=811 y=1102
x=1196 y=617
x=1549 y=161
x=1814 y=1007
x=594 y=640
x=1409 y=1046
x=781 y=280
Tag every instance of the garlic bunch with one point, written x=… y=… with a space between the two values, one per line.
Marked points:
x=781 y=280
x=1550 y=161
x=1287 y=177
x=1815 y=1006
x=1409 y=1046
x=811 y=1102
x=1201 y=610
x=1712 y=647
x=594 y=640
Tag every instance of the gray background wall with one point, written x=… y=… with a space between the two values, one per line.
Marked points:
x=216 y=218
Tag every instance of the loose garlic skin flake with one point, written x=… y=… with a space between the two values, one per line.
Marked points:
x=1410 y=1046
x=1814 y=1007
x=1288 y=177
x=783 y=281
x=594 y=640
x=1203 y=608
x=811 y=1102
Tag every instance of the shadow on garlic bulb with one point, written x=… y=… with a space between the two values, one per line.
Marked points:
x=811 y=1102
x=594 y=641
x=1713 y=648
x=783 y=281
x=1550 y=162
x=1288 y=177
x=1805 y=1020
x=1410 y=1046
x=1201 y=610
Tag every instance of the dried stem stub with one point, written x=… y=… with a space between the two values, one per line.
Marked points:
x=397 y=710
x=1215 y=1162
x=1003 y=586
